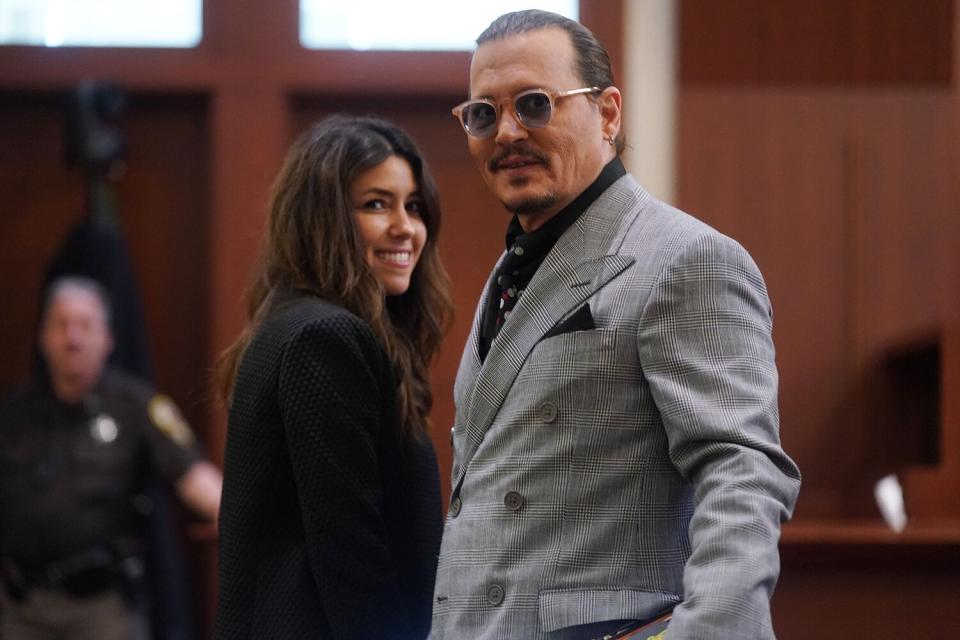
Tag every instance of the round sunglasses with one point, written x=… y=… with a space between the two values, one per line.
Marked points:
x=533 y=109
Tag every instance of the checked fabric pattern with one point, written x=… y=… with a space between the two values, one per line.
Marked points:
x=614 y=472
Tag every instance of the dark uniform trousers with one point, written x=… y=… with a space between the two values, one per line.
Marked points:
x=45 y=614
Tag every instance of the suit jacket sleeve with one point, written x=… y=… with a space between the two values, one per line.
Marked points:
x=705 y=340
x=333 y=388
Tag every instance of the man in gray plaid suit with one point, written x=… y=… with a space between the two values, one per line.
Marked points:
x=616 y=440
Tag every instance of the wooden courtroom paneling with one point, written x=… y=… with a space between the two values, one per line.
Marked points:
x=163 y=201
x=825 y=137
x=785 y=42
x=162 y=206
x=39 y=201
x=766 y=170
x=881 y=593
x=847 y=201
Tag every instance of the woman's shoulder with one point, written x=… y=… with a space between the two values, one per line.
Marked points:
x=311 y=318
x=294 y=313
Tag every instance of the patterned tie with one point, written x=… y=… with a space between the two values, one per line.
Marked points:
x=517 y=269
x=509 y=294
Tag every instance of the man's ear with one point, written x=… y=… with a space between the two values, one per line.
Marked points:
x=610 y=102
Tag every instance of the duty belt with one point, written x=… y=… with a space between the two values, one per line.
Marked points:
x=81 y=574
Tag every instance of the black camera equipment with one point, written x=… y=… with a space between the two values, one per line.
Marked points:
x=92 y=142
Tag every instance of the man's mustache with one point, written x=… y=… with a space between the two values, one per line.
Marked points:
x=515 y=150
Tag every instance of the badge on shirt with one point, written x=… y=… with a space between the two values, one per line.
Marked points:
x=166 y=417
x=104 y=429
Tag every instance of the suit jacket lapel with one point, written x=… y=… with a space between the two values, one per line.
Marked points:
x=469 y=370
x=581 y=262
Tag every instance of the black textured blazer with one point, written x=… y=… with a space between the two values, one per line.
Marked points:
x=330 y=521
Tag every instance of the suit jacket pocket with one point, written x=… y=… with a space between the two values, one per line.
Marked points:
x=580 y=320
x=564 y=608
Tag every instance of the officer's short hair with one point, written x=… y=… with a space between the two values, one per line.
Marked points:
x=83 y=283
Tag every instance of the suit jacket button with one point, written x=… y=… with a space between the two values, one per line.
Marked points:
x=513 y=500
x=495 y=594
x=455 y=507
x=548 y=412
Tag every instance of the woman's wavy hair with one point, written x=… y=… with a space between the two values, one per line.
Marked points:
x=312 y=244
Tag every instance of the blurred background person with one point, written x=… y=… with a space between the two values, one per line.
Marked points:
x=331 y=517
x=78 y=447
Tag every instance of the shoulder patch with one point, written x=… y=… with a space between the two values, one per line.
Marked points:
x=165 y=416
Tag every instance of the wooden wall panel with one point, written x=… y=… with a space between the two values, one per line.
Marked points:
x=766 y=170
x=847 y=202
x=162 y=205
x=911 y=156
x=605 y=19
x=785 y=42
x=826 y=136
x=40 y=200
x=163 y=202
x=882 y=595
x=248 y=134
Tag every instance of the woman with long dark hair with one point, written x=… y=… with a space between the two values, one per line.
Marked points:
x=330 y=521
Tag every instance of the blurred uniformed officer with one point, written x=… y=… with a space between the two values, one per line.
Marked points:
x=76 y=450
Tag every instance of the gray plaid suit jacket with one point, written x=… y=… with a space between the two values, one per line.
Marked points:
x=614 y=472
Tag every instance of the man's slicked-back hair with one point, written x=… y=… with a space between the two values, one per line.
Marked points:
x=592 y=59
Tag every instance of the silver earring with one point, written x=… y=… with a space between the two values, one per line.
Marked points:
x=609 y=140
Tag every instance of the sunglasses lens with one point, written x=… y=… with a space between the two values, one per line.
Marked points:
x=534 y=109
x=479 y=119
